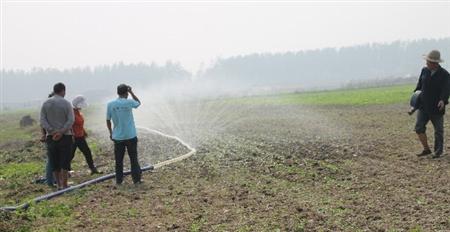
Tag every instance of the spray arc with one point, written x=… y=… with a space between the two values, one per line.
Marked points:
x=49 y=196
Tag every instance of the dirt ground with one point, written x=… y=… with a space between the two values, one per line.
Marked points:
x=280 y=168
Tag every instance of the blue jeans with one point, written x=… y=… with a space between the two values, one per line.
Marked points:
x=49 y=180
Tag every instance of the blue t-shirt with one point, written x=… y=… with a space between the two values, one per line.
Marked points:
x=121 y=114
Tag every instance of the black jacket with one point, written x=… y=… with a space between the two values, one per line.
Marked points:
x=434 y=88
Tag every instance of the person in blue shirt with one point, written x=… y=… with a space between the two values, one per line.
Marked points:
x=123 y=134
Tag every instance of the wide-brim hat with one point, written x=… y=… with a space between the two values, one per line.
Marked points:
x=433 y=56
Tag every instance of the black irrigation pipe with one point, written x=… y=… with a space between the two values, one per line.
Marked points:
x=108 y=176
x=69 y=189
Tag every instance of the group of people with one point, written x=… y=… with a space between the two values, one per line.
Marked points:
x=63 y=132
x=62 y=123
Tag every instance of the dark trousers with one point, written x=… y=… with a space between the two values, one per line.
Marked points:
x=81 y=144
x=49 y=180
x=59 y=152
x=438 y=123
x=119 y=152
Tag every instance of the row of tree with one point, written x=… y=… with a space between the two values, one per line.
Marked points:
x=26 y=88
x=329 y=67
x=321 y=68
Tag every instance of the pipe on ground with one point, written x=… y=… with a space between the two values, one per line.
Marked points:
x=108 y=176
x=71 y=188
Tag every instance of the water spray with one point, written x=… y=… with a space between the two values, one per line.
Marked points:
x=108 y=176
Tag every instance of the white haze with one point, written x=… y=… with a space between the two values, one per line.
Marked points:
x=70 y=34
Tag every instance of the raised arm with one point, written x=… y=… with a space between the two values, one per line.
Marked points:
x=133 y=95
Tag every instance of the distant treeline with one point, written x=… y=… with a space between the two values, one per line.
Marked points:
x=26 y=88
x=370 y=64
x=329 y=67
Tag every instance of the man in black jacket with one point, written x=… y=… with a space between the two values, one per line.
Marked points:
x=434 y=83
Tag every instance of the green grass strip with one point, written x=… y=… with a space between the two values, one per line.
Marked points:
x=368 y=96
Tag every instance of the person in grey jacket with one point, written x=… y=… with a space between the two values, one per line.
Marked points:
x=57 y=118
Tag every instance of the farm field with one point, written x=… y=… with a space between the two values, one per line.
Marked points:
x=363 y=96
x=322 y=161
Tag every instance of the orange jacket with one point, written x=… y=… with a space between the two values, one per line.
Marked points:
x=78 y=125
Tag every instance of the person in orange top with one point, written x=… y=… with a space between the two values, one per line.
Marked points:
x=79 y=133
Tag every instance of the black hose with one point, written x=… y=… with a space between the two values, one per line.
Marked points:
x=60 y=192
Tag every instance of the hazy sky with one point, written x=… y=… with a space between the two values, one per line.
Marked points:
x=79 y=33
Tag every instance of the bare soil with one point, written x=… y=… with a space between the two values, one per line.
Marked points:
x=286 y=168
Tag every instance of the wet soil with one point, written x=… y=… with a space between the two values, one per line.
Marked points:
x=287 y=168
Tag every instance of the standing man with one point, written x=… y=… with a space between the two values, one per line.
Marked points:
x=120 y=111
x=57 y=119
x=434 y=83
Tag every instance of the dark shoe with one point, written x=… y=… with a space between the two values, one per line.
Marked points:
x=40 y=180
x=436 y=155
x=424 y=153
x=139 y=182
x=95 y=171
